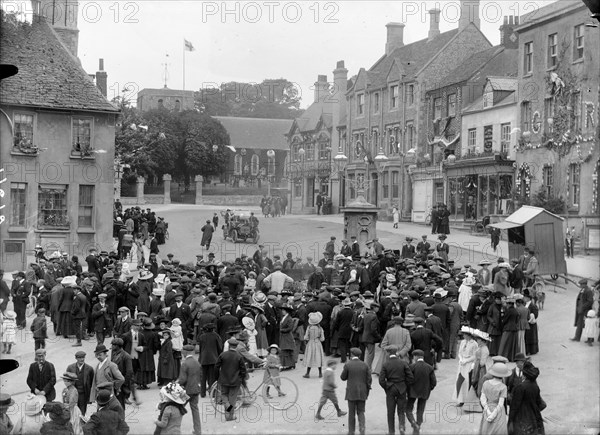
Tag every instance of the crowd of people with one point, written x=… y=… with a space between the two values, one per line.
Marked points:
x=414 y=303
x=138 y=232
x=273 y=206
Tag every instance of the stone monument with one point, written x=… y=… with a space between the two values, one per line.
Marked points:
x=360 y=220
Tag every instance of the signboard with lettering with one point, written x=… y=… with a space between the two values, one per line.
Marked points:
x=488 y=135
x=593 y=241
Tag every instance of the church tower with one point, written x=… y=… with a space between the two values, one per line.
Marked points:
x=62 y=16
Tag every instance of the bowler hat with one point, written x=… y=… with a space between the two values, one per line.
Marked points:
x=520 y=357
x=103 y=397
x=100 y=348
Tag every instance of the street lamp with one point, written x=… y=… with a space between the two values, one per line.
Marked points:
x=301 y=153
x=270 y=156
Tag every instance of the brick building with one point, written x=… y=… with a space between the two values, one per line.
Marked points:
x=57 y=141
x=557 y=151
x=387 y=111
x=487 y=79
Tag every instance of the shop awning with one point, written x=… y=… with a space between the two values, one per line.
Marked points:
x=505 y=225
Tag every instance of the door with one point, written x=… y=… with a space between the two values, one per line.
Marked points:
x=545 y=250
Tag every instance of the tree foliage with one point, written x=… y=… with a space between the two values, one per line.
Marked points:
x=553 y=204
x=273 y=98
x=161 y=142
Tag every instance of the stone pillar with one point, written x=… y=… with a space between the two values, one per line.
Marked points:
x=167 y=187
x=140 y=190
x=198 y=179
x=334 y=193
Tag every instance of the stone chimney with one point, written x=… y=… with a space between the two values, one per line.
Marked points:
x=434 y=23
x=469 y=13
x=62 y=16
x=508 y=37
x=321 y=88
x=395 y=37
x=340 y=80
x=101 y=78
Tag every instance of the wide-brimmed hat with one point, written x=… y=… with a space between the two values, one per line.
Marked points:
x=440 y=293
x=530 y=371
x=499 y=370
x=68 y=281
x=315 y=318
x=273 y=346
x=442 y=237
x=10 y=314
x=147 y=322
x=390 y=277
x=288 y=308
x=484 y=263
x=467 y=330
x=100 y=348
x=257 y=307
x=248 y=323
x=259 y=297
x=409 y=321
x=34 y=405
x=68 y=376
x=347 y=302
x=6 y=401
x=145 y=274
x=158 y=292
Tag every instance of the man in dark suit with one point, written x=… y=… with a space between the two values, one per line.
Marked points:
x=189 y=378
x=343 y=325
x=358 y=375
x=105 y=421
x=408 y=249
x=271 y=313
x=78 y=312
x=370 y=335
x=354 y=249
x=232 y=372
x=42 y=376
x=124 y=363
x=419 y=390
x=183 y=312
x=85 y=378
x=585 y=300
x=441 y=310
x=226 y=322
x=123 y=323
x=394 y=378
x=210 y=347
x=423 y=246
x=424 y=339
x=434 y=323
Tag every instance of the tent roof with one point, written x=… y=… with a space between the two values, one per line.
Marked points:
x=521 y=217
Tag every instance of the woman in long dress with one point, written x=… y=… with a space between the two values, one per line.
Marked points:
x=466 y=358
x=70 y=398
x=526 y=406
x=250 y=328
x=523 y=324
x=483 y=361
x=465 y=291
x=493 y=396
x=509 y=343
x=166 y=361
x=262 y=341
x=396 y=216
x=314 y=336
x=531 y=334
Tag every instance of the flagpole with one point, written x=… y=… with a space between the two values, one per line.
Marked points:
x=184 y=64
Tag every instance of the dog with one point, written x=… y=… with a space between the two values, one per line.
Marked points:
x=540 y=299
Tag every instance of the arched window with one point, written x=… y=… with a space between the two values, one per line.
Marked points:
x=271 y=167
x=254 y=165
x=237 y=165
x=177 y=105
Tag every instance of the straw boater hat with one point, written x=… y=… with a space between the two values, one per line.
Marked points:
x=69 y=281
x=315 y=318
x=69 y=377
x=259 y=297
x=6 y=401
x=467 y=330
x=248 y=323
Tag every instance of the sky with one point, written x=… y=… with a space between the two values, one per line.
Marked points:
x=252 y=41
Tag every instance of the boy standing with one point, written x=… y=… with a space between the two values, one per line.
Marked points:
x=38 y=327
x=328 y=392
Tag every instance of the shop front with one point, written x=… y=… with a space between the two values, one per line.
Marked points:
x=479 y=187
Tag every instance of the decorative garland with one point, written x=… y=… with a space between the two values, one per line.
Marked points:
x=524 y=174
x=567 y=141
x=536 y=122
x=595 y=187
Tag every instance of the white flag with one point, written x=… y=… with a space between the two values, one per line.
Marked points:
x=188 y=45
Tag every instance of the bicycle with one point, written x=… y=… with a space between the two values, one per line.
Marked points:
x=279 y=401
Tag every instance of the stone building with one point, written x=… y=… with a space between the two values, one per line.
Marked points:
x=250 y=162
x=459 y=89
x=57 y=141
x=558 y=97
x=171 y=99
x=386 y=122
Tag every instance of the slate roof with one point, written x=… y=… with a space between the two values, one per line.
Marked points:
x=256 y=133
x=467 y=69
x=49 y=76
x=311 y=116
x=503 y=83
x=477 y=105
x=411 y=57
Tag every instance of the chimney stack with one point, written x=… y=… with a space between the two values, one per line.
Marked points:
x=434 y=23
x=321 y=88
x=340 y=80
x=469 y=13
x=395 y=37
x=102 y=78
x=508 y=37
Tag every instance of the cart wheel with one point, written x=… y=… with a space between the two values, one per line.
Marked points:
x=234 y=236
x=554 y=277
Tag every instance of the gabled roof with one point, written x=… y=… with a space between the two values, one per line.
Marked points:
x=522 y=216
x=49 y=75
x=503 y=83
x=321 y=110
x=477 y=105
x=469 y=68
x=256 y=133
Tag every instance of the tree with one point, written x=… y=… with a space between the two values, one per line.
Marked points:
x=553 y=204
x=273 y=98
